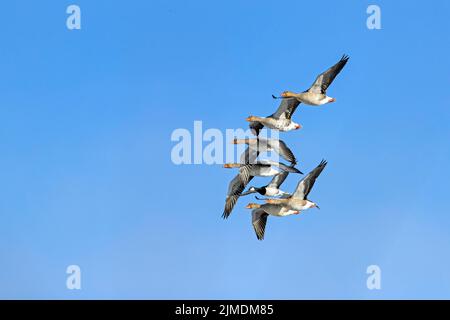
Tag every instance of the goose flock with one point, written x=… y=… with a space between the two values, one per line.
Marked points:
x=277 y=202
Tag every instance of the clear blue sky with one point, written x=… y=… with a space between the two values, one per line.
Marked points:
x=86 y=175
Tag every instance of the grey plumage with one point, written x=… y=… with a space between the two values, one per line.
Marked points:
x=259 y=221
x=306 y=184
x=324 y=79
x=261 y=145
x=285 y=110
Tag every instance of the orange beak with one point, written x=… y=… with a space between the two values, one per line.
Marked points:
x=297 y=127
x=332 y=100
x=284 y=94
x=227 y=165
x=250 y=118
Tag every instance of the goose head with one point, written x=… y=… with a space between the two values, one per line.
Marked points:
x=288 y=94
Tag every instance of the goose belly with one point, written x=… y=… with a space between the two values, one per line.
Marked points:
x=278 y=124
x=267 y=172
x=283 y=212
x=272 y=192
x=287 y=212
x=275 y=210
x=298 y=205
x=313 y=99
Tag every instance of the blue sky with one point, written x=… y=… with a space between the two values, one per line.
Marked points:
x=86 y=119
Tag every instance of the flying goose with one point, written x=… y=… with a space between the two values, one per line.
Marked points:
x=261 y=168
x=272 y=189
x=246 y=173
x=260 y=213
x=298 y=200
x=280 y=120
x=258 y=145
x=316 y=95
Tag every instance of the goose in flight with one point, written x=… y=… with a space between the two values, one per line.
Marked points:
x=280 y=120
x=299 y=199
x=261 y=168
x=272 y=189
x=246 y=174
x=258 y=145
x=260 y=213
x=316 y=95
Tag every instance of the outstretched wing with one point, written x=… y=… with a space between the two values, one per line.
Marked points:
x=324 y=79
x=282 y=149
x=280 y=165
x=230 y=202
x=278 y=179
x=305 y=186
x=245 y=172
x=286 y=109
x=235 y=189
x=259 y=221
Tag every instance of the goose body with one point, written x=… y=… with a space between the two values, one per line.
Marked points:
x=277 y=124
x=261 y=212
x=266 y=191
x=260 y=145
x=292 y=203
x=274 y=192
x=261 y=168
x=273 y=209
x=316 y=95
x=272 y=189
x=310 y=98
x=279 y=120
x=263 y=171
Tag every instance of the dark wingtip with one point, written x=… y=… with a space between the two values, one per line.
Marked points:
x=225 y=215
x=293 y=169
x=345 y=58
x=274 y=97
